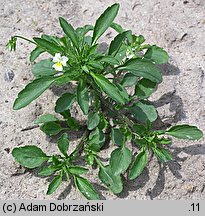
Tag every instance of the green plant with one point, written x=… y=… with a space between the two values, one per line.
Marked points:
x=102 y=79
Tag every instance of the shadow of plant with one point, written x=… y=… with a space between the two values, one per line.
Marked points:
x=174 y=166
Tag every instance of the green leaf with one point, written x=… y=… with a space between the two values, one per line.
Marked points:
x=82 y=96
x=139 y=129
x=67 y=77
x=104 y=21
x=77 y=170
x=120 y=160
x=81 y=31
x=110 y=60
x=64 y=102
x=123 y=92
x=185 y=132
x=113 y=182
x=63 y=144
x=120 y=55
x=142 y=68
x=164 y=141
x=93 y=120
x=47 y=171
x=109 y=88
x=69 y=31
x=118 y=28
x=145 y=88
x=53 y=186
x=162 y=154
x=103 y=122
x=96 y=140
x=141 y=142
x=96 y=65
x=55 y=160
x=86 y=188
x=51 y=128
x=144 y=111
x=66 y=114
x=72 y=123
x=53 y=39
x=43 y=68
x=157 y=55
x=129 y=80
x=36 y=53
x=90 y=159
x=29 y=156
x=45 y=118
x=138 y=165
x=32 y=91
x=116 y=43
x=48 y=46
x=118 y=137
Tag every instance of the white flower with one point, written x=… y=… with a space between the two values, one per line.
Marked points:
x=60 y=61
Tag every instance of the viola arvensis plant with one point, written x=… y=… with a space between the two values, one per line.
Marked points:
x=103 y=79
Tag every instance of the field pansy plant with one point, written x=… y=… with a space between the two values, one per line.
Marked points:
x=115 y=117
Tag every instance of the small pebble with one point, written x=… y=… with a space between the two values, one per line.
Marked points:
x=9 y=76
x=7 y=150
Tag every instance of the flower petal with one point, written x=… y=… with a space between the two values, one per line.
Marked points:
x=57 y=57
x=64 y=59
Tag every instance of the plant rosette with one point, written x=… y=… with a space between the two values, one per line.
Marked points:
x=112 y=114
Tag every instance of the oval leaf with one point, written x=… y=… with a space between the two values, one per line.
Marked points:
x=138 y=165
x=32 y=91
x=185 y=132
x=118 y=137
x=43 y=68
x=77 y=170
x=113 y=182
x=64 y=102
x=47 y=171
x=157 y=55
x=36 y=53
x=144 y=111
x=110 y=60
x=29 y=156
x=53 y=186
x=120 y=160
x=116 y=43
x=142 y=68
x=93 y=120
x=162 y=154
x=51 y=128
x=109 y=88
x=118 y=28
x=63 y=144
x=50 y=47
x=104 y=21
x=83 y=97
x=45 y=118
x=129 y=80
x=69 y=31
x=85 y=187
x=145 y=88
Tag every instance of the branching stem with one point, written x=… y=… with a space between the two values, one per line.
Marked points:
x=23 y=38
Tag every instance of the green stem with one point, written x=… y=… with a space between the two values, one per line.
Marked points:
x=23 y=38
x=106 y=104
x=98 y=162
x=78 y=150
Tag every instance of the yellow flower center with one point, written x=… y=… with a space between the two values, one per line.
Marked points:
x=58 y=64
